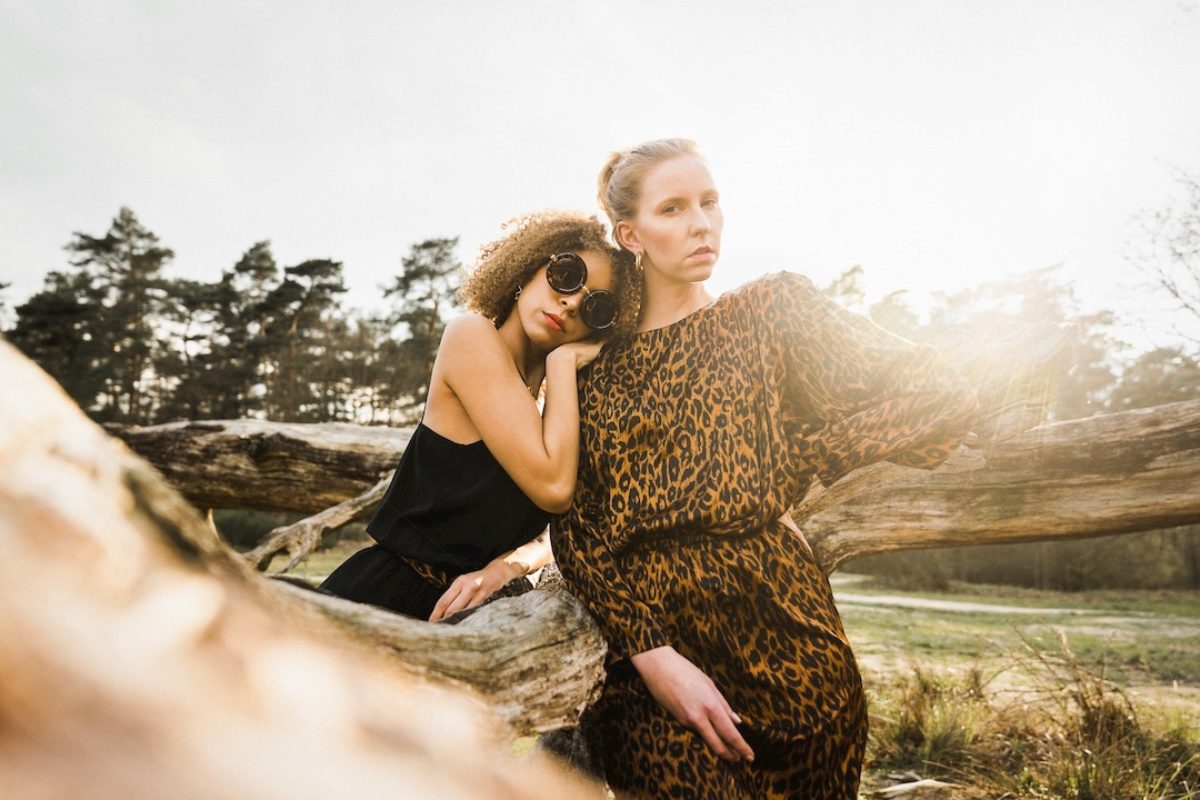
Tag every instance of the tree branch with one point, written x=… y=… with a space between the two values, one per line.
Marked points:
x=301 y=538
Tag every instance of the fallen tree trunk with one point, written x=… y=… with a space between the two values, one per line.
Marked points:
x=1013 y=379
x=270 y=466
x=1116 y=473
x=275 y=466
x=140 y=658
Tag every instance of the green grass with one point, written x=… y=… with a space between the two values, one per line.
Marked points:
x=1175 y=603
x=1131 y=637
x=1078 y=706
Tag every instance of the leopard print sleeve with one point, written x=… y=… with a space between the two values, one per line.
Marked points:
x=590 y=569
x=853 y=393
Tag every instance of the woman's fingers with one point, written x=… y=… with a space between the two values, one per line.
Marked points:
x=728 y=707
x=439 y=610
x=730 y=736
x=714 y=740
x=723 y=720
x=447 y=603
x=692 y=698
x=467 y=591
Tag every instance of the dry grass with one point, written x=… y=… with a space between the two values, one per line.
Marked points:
x=1070 y=734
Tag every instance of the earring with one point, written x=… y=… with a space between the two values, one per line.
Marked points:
x=637 y=261
x=517 y=296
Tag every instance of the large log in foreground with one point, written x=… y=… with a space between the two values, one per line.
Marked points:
x=140 y=659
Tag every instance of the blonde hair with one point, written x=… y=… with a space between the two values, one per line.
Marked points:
x=526 y=244
x=621 y=178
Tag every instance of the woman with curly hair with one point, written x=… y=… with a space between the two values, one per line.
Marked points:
x=730 y=674
x=484 y=471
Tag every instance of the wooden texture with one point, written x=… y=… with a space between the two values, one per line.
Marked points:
x=140 y=659
x=302 y=538
x=270 y=466
x=1118 y=473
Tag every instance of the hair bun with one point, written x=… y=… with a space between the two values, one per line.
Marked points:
x=620 y=181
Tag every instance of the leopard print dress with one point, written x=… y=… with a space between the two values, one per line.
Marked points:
x=696 y=439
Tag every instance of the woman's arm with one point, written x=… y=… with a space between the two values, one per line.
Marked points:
x=539 y=451
x=595 y=576
x=472 y=588
x=855 y=393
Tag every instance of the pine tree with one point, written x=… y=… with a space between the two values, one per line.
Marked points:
x=56 y=328
x=296 y=315
x=242 y=314
x=190 y=366
x=3 y=301
x=126 y=265
x=423 y=293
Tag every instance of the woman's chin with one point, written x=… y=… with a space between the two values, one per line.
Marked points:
x=699 y=272
x=694 y=272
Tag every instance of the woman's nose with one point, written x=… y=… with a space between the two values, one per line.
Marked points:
x=700 y=221
x=569 y=302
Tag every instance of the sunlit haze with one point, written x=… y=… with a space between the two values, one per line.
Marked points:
x=938 y=144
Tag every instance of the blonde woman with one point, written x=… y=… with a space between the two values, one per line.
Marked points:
x=730 y=675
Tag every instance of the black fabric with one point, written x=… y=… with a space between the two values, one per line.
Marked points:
x=453 y=506
x=376 y=576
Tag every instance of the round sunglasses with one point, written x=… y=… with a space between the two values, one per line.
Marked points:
x=567 y=274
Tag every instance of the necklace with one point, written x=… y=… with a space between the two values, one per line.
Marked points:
x=525 y=380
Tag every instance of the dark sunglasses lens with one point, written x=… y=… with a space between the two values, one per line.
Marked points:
x=599 y=310
x=566 y=273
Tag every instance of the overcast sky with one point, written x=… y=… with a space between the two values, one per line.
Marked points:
x=937 y=143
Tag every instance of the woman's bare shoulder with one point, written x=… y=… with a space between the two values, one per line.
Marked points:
x=469 y=332
x=470 y=325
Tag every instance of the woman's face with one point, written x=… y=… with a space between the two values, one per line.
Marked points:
x=550 y=318
x=678 y=224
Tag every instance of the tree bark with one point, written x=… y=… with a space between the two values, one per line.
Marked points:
x=302 y=538
x=270 y=466
x=1118 y=473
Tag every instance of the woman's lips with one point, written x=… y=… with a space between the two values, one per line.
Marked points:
x=703 y=252
x=554 y=322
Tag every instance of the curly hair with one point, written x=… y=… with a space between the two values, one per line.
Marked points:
x=526 y=244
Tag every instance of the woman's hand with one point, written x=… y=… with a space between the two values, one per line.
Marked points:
x=472 y=588
x=693 y=699
x=582 y=352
